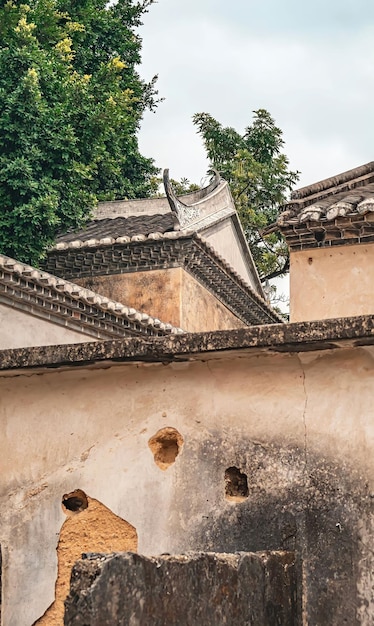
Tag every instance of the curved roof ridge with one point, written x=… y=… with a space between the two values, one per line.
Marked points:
x=349 y=176
x=187 y=214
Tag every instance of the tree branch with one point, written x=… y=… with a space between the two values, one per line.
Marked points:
x=278 y=272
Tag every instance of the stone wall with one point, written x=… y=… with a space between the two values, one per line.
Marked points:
x=186 y=590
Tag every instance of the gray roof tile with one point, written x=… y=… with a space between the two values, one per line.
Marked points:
x=34 y=290
x=121 y=227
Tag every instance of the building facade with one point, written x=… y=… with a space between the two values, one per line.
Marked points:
x=255 y=438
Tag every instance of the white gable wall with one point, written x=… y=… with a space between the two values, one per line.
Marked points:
x=224 y=239
x=19 y=329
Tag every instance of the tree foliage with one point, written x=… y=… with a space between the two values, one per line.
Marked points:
x=71 y=102
x=259 y=177
x=180 y=187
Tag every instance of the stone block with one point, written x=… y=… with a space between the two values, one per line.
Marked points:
x=127 y=589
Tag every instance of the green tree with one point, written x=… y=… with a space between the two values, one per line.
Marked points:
x=259 y=177
x=180 y=187
x=70 y=108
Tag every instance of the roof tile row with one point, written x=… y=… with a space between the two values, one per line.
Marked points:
x=61 y=287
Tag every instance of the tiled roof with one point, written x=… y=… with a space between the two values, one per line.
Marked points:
x=178 y=216
x=75 y=243
x=107 y=244
x=335 y=211
x=359 y=201
x=63 y=302
x=186 y=249
x=121 y=227
x=209 y=210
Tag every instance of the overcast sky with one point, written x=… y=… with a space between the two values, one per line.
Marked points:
x=310 y=64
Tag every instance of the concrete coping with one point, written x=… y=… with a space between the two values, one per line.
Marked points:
x=272 y=338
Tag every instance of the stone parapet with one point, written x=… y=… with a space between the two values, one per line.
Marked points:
x=253 y=589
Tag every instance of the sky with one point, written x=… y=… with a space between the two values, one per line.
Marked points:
x=311 y=65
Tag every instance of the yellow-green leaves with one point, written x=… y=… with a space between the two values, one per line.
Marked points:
x=64 y=49
x=70 y=107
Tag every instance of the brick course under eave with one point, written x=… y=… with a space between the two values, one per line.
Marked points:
x=185 y=250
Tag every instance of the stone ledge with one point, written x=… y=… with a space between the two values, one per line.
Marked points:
x=295 y=337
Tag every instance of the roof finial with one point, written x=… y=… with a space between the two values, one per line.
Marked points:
x=185 y=214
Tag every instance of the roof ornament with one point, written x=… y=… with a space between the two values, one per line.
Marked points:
x=215 y=180
x=185 y=214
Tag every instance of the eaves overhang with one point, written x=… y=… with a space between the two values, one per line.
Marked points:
x=62 y=302
x=333 y=212
x=187 y=249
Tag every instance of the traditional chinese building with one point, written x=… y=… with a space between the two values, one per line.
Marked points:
x=255 y=438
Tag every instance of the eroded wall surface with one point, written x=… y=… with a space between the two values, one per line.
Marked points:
x=331 y=282
x=185 y=590
x=155 y=292
x=276 y=452
x=172 y=295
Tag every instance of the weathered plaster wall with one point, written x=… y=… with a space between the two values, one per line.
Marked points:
x=201 y=311
x=331 y=282
x=95 y=528
x=20 y=330
x=172 y=295
x=301 y=427
x=155 y=292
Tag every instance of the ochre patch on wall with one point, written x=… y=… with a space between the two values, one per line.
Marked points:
x=172 y=295
x=155 y=292
x=165 y=446
x=91 y=529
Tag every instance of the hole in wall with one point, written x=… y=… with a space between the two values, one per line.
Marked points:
x=89 y=527
x=165 y=446
x=236 y=485
x=74 y=502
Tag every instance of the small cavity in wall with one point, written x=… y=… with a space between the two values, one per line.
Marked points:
x=90 y=527
x=74 y=502
x=165 y=446
x=236 y=485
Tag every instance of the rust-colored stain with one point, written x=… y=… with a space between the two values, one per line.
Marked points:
x=93 y=529
x=172 y=295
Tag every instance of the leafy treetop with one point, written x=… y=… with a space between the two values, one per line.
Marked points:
x=71 y=102
x=259 y=177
